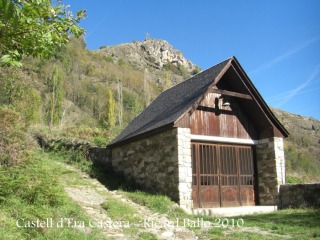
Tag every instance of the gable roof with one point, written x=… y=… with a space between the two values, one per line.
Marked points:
x=178 y=100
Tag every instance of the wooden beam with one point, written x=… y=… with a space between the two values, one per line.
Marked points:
x=232 y=94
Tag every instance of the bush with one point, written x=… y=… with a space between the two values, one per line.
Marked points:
x=196 y=70
x=100 y=141
x=121 y=62
x=14 y=142
x=109 y=58
x=294 y=179
x=179 y=70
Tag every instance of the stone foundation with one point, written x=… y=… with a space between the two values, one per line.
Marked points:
x=271 y=169
x=161 y=163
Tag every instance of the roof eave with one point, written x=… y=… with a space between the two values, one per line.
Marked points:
x=263 y=105
x=142 y=135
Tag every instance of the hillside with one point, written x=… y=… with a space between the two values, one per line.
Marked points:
x=93 y=95
x=302 y=147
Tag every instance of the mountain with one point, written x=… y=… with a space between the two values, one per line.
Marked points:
x=93 y=95
x=153 y=54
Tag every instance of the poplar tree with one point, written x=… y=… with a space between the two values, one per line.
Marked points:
x=111 y=120
x=56 y=98
x=146 y=89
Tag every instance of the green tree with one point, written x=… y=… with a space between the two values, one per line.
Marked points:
x=111 y=109
x=10 y=87
x=17 y=93
x=35 y=28
x=110 y=118
x=29 y=106
x=56 y=94
x=13 y=137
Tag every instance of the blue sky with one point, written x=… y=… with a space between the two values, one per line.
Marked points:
x=276 y=42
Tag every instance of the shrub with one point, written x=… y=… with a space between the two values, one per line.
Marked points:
x=109 y=58
x=179 y=70
x=14 y=142
x=100 y=141
x=121 y=62
x=294 y=179
x=196 y=70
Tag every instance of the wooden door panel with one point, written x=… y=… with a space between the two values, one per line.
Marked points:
x=195 y=197
x=209 y=197
x=246 y=174
x=247 y=196
x=229 y=196
x=222 y=175
x=195 y=175
x=229 y=179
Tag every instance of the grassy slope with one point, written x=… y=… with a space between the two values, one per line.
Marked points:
x=32 y=191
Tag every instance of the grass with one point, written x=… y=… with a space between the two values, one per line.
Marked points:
x=158 y=203
x=284 y=224
x=31 y=192
x=298 y=223
x=147 y=236
x=120 y=211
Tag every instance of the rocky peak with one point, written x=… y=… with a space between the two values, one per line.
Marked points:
x=151 y=52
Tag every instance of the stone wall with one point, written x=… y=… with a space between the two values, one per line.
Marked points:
x=299 y=196
x=150 y=162
x=95 y=154
x=271 y=169
x=99 y=156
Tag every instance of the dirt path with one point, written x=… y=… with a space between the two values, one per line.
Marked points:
x=90 y=194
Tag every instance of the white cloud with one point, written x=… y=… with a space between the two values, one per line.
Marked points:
x=285 y=55
x=283 y=98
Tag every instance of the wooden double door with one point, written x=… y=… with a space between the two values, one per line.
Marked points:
x=222 y=175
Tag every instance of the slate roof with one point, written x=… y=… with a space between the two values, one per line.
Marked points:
x=173 y=103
